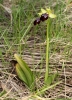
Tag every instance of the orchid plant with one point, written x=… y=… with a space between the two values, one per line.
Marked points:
x=22 y=69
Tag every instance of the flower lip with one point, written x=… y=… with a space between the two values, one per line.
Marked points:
x=37 y=21
x=44 y=17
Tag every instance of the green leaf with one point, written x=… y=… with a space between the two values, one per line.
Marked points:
x=21 y=74
x=46 y=87
x=51 y=79
x=28 y=74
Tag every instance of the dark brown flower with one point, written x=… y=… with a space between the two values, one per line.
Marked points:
x=37 y=21
x=44 y=17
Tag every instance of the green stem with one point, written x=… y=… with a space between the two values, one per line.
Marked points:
x=47 y=53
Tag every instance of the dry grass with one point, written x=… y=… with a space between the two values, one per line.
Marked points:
x=59 y=60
